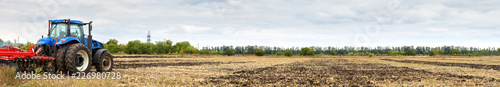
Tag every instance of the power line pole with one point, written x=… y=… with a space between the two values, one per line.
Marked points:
x=149 y=37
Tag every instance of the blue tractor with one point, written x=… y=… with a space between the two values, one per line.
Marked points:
x=73 y=50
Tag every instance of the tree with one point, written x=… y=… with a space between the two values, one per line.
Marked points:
x=279 y=53
x=112 y=41
x=498 y=50
x=111 y=48
x=192 y=50
x=436 y=53
x=333 y=53
x=259 y=52
x=395 y=53
x=389 y=53
x=205 y=51
x=181 y=45
x=134 y=47
x=229 y=52
x=367 y=53
x=306 y=52
x=456 y=51
x=213 y=52
x=432 y=54
x=163 y=47
x=410 y=53
x=1 y=42
x=27 y=46
x=147 y=48
x=350 y=54
x=288 y=53
x=484 y=52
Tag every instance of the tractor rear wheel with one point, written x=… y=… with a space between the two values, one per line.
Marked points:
x=60 y=56
x=78 y=59
x=105 y=63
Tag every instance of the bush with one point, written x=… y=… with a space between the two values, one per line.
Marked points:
x=205 y=51
x=378 y=54
x=410 y=53
x=213 y=52
x=395 y=53
x=371 y=55
x=182 y=52
x=279 y=53
x=360 y=54
x=260 y=52
x=306 y=52
x=288 y=53
x=350 y=54
x=229 y=52
x=333 y=53
x=367 y=53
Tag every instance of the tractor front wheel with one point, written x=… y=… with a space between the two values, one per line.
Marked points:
x=78 y=59
x=60 y=57
x=105 y=63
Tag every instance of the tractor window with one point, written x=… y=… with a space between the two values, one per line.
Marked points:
x=59 y=31
x=76 y=31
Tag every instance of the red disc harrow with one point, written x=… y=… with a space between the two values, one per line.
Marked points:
x=23 y=60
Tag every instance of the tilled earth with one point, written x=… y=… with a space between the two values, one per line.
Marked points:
x=468 y=65
x=342 y=72
x=164 y=63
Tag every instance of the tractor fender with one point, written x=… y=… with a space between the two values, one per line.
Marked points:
x=97 y=55
x=67 y=40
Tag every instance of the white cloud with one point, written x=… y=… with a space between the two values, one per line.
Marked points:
x=438 y=29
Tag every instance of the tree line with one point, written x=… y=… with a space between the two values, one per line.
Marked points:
x=167 y=47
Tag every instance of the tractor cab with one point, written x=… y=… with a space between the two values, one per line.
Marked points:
x=59 y=31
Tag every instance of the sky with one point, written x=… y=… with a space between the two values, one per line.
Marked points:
x=281 y=23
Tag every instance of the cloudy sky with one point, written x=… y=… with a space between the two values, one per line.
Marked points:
x=282 y=23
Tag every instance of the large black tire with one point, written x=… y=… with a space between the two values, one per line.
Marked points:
x=78 y=59
x=105 y=63
x=60 y=56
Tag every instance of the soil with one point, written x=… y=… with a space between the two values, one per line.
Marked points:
x=149 y=57
x=164 y=63
x=339 y=72
x=468 y=65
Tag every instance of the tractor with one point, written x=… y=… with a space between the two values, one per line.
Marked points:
x=66 y=49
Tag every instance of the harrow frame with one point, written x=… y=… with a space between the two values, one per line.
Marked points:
x=23 y=60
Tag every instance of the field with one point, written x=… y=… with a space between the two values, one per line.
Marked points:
x=294 y=71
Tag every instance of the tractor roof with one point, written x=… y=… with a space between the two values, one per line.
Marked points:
x=64 y=20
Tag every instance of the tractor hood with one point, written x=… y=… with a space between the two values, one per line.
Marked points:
x=46 y=41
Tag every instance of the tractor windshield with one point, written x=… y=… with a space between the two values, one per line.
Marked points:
x=58 y=31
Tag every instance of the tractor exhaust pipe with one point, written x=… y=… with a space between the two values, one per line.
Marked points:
x=89 y=39
x=68 y=34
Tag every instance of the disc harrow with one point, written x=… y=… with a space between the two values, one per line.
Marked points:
x=23 y=60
